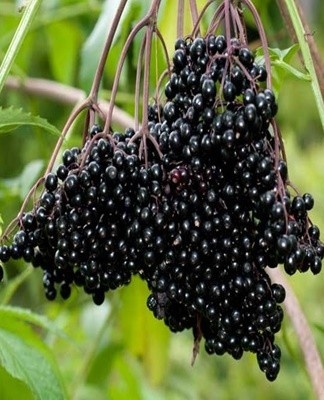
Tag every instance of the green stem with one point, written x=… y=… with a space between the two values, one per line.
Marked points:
x=28 y=16
x=307 y=56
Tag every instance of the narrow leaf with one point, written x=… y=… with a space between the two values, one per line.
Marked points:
x=291 y=70
x=12 y=118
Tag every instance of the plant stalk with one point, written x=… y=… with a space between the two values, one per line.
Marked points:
x=29 y=14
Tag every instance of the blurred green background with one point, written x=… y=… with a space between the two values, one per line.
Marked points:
x=118 y=351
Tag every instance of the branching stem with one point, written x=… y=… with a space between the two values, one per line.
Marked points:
x=103 y=57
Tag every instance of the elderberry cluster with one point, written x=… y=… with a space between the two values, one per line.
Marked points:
x=79 y=231
x=199 y=224
x=227 y=207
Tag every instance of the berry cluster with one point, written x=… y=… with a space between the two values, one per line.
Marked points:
x=199 y=224
x=229 y=211
x=81 y=230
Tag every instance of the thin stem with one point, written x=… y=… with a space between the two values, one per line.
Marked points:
x=196 y=26
x=167 y=58
x=239 y=24
x=65 y=130
x=57 y=148
x=303 y=41
x=103 y=57
x=138 y=82
x=146 y=80
x=180 y=17
x=13 y=224
x=143 y=22
x=217 y=18
x=29 y=14
x=263 y=38
x=194 y=15
x=228 y=33
x=304 y=334
x=159 y=83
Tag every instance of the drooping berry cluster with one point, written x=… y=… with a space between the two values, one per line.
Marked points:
x=79 y=231
x=230 y=212
x=200 y=224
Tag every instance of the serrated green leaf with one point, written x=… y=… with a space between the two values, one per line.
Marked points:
x=25 y=357
x=285 y=54
x=278 y=54
x=12 y=118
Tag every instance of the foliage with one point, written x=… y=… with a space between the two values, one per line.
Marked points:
x=77 y=350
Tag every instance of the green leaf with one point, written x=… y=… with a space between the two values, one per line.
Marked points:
x=12 y=118
x=278 y=54
x=285 y=54
x=25 y=357
x=280 y=65
x=291 y=70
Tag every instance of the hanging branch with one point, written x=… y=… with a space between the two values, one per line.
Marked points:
x=93 y=95
x=263 y=38
x=147 y=20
